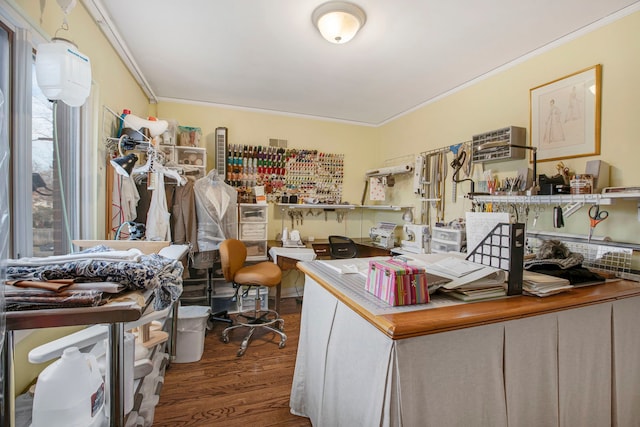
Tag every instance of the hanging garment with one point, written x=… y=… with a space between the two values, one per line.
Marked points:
x=129 y=198
x=217 y=211
x=125 y=198
x=184 y=220
x=158 y=217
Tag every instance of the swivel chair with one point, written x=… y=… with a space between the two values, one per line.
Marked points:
x=233 y=254
x=342 y=247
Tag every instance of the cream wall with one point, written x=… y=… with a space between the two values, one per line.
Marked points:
x=503 y=100
x=357 y=143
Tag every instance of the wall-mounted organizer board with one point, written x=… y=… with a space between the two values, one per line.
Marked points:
x=305 y=174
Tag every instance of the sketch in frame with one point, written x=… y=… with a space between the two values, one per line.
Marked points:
x=565 y=116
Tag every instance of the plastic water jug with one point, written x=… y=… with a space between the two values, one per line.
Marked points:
x=63 y=72
x=69 y=392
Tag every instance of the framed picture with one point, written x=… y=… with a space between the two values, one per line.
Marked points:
x=565 y=116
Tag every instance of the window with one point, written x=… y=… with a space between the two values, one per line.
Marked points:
x=42 y=173
x=44 y=184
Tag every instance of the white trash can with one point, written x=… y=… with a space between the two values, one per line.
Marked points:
x=192 y=323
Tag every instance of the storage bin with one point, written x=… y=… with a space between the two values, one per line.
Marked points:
x=192 y=323
x=453 y=235
x=256 y=250
x=247 y=298
x=439 y=246
x=253 y=231
x=189 y=136
x=168 y=152
x=190 y=156
x=253 y=213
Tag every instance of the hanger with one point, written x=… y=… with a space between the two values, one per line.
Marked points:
x=172 y=173
x=146 y=167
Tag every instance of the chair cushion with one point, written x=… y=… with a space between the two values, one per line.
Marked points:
x=260 y=274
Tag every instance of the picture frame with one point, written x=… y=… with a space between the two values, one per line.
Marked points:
x=564 y=116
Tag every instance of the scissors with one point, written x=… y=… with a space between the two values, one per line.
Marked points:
x=596 y=216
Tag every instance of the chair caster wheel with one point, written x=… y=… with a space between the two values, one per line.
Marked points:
x=281 y=345
x=225 y=340
x=240 y=353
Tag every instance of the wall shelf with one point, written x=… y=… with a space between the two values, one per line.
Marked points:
x=572 y=202
x=334 y=206
x=556 y=199
x=284 y=206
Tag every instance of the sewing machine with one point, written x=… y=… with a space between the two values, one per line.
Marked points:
x=417 y=238
x=383 y=234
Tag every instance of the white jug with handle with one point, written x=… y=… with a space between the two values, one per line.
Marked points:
x=69 y=392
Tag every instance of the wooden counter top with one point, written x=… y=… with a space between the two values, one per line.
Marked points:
x=435 y=320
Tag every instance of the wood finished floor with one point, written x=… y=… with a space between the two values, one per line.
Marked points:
x=225 y=390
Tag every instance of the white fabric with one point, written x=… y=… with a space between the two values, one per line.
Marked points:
x=357 y=368
x=626 y=360
x=584 y=366
x=129 y=198
x=158 y=224
x=217 y=211
x=301 y=254
x=315 y=329
x=531 y=370
x=547 y=370
x=132 y=254
x=453 y=378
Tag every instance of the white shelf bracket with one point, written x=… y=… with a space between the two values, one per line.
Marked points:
x=571 y=208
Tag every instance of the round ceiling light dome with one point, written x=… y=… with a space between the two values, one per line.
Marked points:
x=338 y=21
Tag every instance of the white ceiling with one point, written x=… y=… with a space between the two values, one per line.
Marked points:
x=267 y=55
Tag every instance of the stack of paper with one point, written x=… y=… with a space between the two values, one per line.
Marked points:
x=470 y=281
x=543 y=285
x=352 y=265
x=476 y=294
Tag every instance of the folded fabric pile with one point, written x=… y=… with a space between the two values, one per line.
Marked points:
x=132 y=269
x=35 y=299
x=555 y=259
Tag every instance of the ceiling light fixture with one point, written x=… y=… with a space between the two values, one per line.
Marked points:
x=338 y=21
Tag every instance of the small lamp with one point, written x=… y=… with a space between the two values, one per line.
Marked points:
x=124 y=164
x=338 y=21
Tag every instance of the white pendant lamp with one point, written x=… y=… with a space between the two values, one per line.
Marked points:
x=338 y=21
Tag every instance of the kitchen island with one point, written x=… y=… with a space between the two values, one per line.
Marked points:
x=568 y=359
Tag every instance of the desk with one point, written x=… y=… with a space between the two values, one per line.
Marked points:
x=569 y=359
x=321 y=248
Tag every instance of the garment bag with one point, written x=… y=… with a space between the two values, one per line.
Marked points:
x=217 y=211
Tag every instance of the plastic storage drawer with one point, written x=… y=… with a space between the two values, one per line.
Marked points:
x=253 y=231
x=453 y=235
x=190 y=156
x=442 y=246
x=256 y=250
x=247 y=298
x=253 y=213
